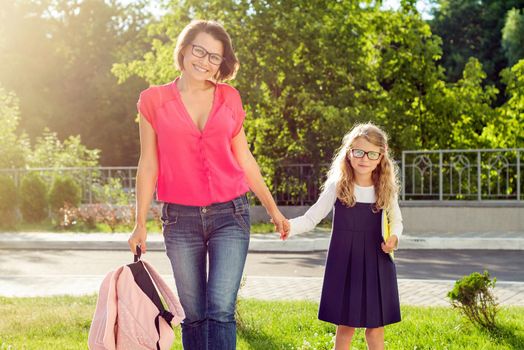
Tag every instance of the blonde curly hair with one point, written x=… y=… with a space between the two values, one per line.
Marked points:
x=385 y=175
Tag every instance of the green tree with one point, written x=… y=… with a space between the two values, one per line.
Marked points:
x=57 y=56
x=311 y=70
x=471 y=28
x=513 y=36
x=50 y=152
x=14 y=147
x=470 y=102
x=506 y=129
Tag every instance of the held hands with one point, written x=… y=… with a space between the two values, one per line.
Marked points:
x=390 y=245
x=281 y=224
x=138 y=237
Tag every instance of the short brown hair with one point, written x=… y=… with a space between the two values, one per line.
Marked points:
x=229 y=67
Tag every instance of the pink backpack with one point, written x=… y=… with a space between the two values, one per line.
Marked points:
x=129 y=312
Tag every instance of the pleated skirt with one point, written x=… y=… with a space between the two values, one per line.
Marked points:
x=360 y=282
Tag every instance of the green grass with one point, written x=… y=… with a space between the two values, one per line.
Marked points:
x=63 y=323
x=49 y=226
x=152 y=227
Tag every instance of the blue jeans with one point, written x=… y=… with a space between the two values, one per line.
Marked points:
x=218 y=234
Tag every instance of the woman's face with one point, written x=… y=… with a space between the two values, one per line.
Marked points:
x=363 y=165
x=202 y=57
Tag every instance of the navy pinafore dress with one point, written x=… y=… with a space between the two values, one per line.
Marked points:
x=360 y=280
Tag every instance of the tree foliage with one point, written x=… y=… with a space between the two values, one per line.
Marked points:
x=513 y=36
x=472 y=28
x=13 y=146
x=309 y=71
x=57 y=56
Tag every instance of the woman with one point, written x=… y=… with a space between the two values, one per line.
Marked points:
x=194 y=149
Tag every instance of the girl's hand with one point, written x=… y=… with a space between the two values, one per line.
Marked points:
x=390 y=245
x=138 y=237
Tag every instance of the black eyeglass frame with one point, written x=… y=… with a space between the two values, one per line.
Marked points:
x=364 y=153
x=207 y=53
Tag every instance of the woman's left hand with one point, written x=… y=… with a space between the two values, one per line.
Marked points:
x=390 y=245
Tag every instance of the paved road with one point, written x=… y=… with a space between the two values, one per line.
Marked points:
x=411 y=264
x=424 y=276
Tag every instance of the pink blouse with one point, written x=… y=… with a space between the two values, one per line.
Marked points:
x=195 y=167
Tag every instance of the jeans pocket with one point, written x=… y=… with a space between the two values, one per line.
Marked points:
x=243 y=222
x=169 y=221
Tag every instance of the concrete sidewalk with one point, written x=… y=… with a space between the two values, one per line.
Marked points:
x=411 y=291
x=316 y=240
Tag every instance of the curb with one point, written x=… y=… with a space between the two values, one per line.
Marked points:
x=264 y=243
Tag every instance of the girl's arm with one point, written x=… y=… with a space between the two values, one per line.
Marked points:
x=316 y=212
x=146 y=179
x=396 y=219
x=395 y=216
x=255 y=181
x=395 y=222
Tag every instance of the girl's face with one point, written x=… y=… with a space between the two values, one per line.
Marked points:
x=202 y=57
x=363 y=166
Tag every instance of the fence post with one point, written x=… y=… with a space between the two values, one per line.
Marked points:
x=403 y=182
x=90 y=184
x=518 y=175
x=440 y=176
x=301 y=177
x=479 y=182
x=129 y=179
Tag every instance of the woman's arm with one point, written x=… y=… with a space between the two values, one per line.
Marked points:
x=316 y=212
x=256 y=182
x=146 y=179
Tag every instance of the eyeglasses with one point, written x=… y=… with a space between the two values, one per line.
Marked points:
x=200 y=52
x=358 y=153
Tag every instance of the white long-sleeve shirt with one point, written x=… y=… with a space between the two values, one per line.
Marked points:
x=325 y=203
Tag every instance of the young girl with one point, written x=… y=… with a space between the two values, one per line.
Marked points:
x=360 y=283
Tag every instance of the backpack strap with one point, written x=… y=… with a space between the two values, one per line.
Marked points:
x=148 y=280
x=172 y=301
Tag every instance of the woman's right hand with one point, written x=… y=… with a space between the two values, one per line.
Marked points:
x=281 y=224
x=138 y=237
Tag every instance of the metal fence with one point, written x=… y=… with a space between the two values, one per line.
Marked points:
x=481 y=174
x=89 y=179
x=478 y=175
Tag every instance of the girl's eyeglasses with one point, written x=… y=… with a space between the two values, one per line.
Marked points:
x=200 y=52
x=358 y=153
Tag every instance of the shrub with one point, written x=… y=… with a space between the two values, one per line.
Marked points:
x=8 y=200
x=473 y=296
x=111 y=193
x=88 y=214
x=33 y=198
x=67 y=216
x=111 y=215
x=64 y=191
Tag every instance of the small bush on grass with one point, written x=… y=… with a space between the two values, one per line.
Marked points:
x=473 y=296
